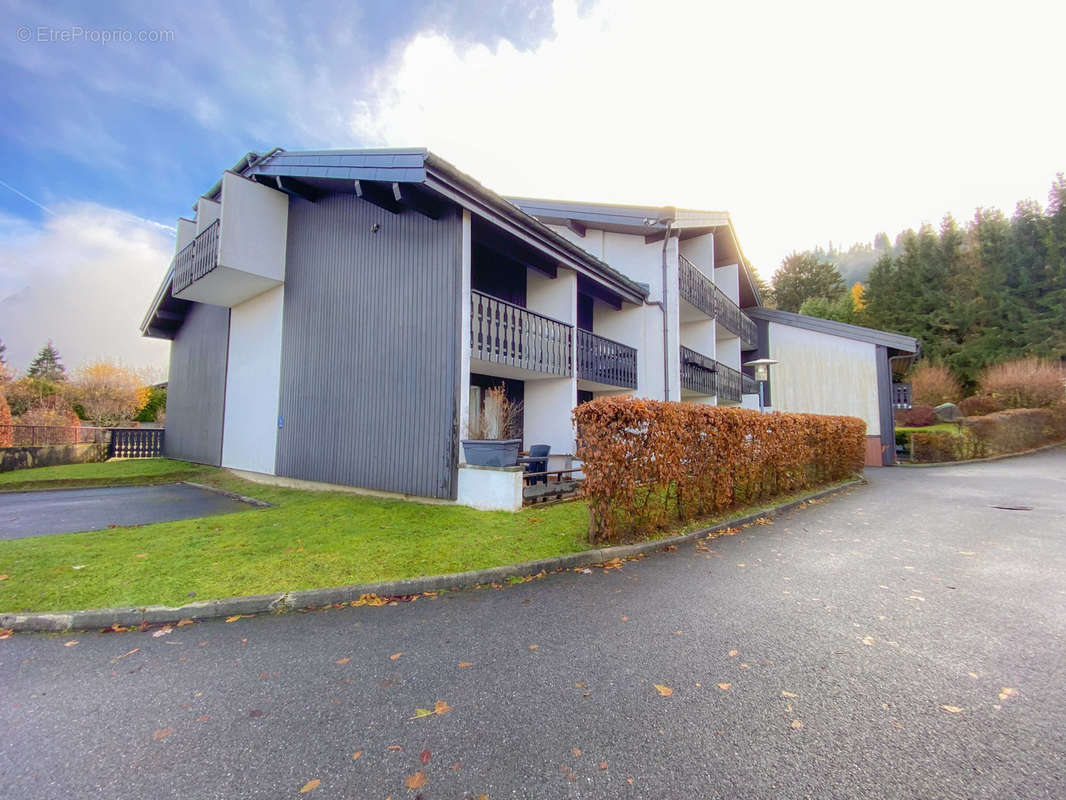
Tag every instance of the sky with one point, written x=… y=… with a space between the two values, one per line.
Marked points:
x=809 y=122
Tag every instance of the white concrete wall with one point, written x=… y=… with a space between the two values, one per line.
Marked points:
x=253 y=377
x=186 y=233
x=700 y=251
x=490 y=488
x=823 y=374
x=728 y=280
x=254 y=229
x=549 y=401
x=207 y=211
x=728 y=352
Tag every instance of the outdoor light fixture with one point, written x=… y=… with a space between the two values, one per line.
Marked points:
x=762 y=375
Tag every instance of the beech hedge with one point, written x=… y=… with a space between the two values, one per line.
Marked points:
x=650 y=464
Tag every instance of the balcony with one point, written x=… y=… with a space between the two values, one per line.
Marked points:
x=701 y=292
x=699 y=374
x=748 y=385
x=602 y=360
x=239 y=252
x=518 y=341
x=705 y=376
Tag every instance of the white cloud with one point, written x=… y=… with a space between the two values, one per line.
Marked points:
x=82 y=277
x=808 y=121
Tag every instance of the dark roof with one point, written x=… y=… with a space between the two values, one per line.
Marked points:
x=894 y=341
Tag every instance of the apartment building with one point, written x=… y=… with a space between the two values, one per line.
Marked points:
x=336 y=316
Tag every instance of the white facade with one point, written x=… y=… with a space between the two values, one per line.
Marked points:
x=253 y=383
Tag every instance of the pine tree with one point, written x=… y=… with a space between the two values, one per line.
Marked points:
x=802 y=276
x=47 y=365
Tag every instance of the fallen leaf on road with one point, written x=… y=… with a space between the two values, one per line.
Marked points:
x=742 y=565
x=788 y=694
x=310 y=786
x=162 y=733
x=868 y=641
x=183 y=622
x=973 y=675
x=1004 y=693
x=966 y=553
x=203 y=718
x=396 y=748
x=458 y=765
x=603 y=765
x=724 y=686
x=162 y=632
x=256 y=713
x=6 y=633
x=425 y=756
x=440 y=707
x=416 y=781
x=952 y=709
x=629 y=781
x=533 y=646
x=734 y=653
x=342 y=661
x=234 y=618
x=465 y=664
x=665 y=691
x=421 y=712
x=129 y=653
x=625 y=619
x=797 y=724
x=357 y=755
x=71 y=643
x=395 y=656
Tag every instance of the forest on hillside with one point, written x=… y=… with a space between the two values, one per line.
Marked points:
x=974 y=294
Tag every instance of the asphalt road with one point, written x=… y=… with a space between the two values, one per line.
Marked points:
x=63 y=510
x=903 y=640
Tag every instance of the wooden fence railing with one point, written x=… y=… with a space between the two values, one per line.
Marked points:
x=504 y=333
x=606 y=361
x=136 y=443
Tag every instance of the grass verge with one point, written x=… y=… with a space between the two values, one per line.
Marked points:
x=107 y=473
x=304 y=540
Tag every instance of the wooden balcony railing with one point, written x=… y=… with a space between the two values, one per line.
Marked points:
x=503 y=333
x=901 y=395
x=696 y=288
x=698 y=372
x=701 y=291
x=734 y=320
x=606 y=361
x=196 y=259
x=748 y=385
x=730 y=384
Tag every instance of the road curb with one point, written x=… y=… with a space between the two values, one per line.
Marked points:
x=131 y=617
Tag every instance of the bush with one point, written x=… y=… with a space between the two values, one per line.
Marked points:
x=55 y=421
x=6 y=431
x=978 y=405
x=25 y=393
x=648 y=463
x=1025 y=383
x=108 y=393
x=155 y=409
x=936 y=446
x=916 y=416
x=1018 y=429
x=933 y=384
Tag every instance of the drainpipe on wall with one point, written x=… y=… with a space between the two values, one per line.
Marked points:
x=666 y=317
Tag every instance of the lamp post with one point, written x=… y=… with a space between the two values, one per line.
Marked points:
x=762 y=376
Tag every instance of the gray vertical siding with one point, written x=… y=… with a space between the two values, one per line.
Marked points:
x=370 y=347
x=196 y=393
x=884 y=407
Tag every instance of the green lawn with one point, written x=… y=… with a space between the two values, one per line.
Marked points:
x=304 y=540
x=108 y=473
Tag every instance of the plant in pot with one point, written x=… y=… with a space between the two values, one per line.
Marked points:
x=493 y=430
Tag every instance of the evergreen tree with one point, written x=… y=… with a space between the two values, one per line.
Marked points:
x=47 y=365
x=802 y=276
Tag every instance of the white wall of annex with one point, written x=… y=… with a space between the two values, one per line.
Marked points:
x=253 y=378
x=186 y=233
x=700 y=251
x=728 y=280
x=824 y=374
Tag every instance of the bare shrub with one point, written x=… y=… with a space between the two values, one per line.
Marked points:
x=978 y=405
x=6 y=431
x=1025 y=383
x=916 y=416
x=933 y=384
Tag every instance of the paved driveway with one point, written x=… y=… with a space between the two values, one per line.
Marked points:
x=64 y=510
x=902 y=641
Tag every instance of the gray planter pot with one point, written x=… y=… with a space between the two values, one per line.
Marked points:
x=491 y=452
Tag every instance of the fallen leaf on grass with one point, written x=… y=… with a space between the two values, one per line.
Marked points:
x=310 y=786
x=342 y=661
x=3 y=577
x=952 y=709
x=788 y=694
x=724 y=686
x=1004 y=693
x=416 y=781
x=162 y=733
x=665 y=691
x=425 y=756
x=71 y=643
x=142 y=555
x=357 y=755
x=465 y=664
x=797 y=724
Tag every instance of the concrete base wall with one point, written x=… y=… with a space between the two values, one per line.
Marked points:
x=490 y=488
x=12 y=458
